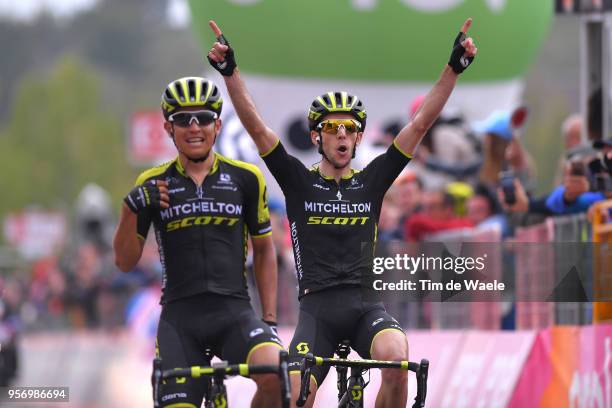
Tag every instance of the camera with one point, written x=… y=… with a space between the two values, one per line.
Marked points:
x=601 y=174
x=506 y=180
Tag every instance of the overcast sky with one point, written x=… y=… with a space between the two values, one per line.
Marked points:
x=26 y=9
x=178 y=10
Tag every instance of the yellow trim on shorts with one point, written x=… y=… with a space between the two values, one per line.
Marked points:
x=265 y=234
x=408 y=155
x=271 y=150
x=265 y=343
x=382 y=331
x=180 y=405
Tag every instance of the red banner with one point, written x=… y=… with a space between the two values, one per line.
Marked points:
x=149 y=144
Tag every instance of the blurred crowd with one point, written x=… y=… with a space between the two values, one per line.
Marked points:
x=465 y=176
x=481 y=175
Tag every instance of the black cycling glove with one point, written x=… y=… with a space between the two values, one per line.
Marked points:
x=226 y=67
x=459 y=62
x=273 y=326
x=144 y=196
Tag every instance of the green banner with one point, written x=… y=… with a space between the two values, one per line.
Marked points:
x=375 y=40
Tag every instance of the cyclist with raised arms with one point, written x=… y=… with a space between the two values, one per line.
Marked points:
x=203 y=206
x=333 y=211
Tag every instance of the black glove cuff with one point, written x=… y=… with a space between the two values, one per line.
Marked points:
x=129 y=201
x=458 y=61
x=227 y=66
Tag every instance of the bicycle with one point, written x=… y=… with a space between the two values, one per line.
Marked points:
x=215 y=394
x=350 y=392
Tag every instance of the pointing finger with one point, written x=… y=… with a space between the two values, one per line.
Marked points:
x=215 y=28
x=464 y=28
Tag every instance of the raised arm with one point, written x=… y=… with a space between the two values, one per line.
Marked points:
x=461 y=57
x=221 y=57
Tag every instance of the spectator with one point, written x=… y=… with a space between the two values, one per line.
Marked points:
x=437 y=215
x=571 y=130
x=501 y=150
x=484 y=210
x=572 y=197
x=447 y=144
x=401 y=201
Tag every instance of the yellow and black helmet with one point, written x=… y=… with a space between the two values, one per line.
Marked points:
x=332 y=102
x=191 y=91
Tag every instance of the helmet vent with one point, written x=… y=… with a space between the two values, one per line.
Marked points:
x=191 y=85
x=179 y=91
x=338 y=98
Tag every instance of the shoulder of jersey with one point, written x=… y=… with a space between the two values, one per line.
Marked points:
x=154 y=171
x=241 y=165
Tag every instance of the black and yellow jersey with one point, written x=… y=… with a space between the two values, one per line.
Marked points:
x=202 y=237
x=333 y=225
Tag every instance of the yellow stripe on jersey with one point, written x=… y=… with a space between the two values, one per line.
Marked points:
x=263 y=215
x=155 y=171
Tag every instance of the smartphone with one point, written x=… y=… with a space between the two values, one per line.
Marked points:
x=506 y=180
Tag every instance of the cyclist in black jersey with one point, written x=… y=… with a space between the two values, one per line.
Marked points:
x=203 y=207
x=333 y=213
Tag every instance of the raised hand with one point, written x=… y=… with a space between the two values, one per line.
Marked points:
x=464 y=49
x=152 y=194
x=221 y=55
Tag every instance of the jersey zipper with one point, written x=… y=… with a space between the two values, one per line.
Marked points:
x=200 y=195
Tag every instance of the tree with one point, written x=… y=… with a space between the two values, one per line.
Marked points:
x=59 y=137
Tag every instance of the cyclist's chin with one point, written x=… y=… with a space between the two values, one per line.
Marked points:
x=196 y=150
x=340 y=161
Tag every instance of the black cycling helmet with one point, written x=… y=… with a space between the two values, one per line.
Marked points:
x=191 y=91
x=331 y=102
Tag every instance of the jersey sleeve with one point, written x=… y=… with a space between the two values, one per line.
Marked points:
x=257 y=214
x=144 y=216
x=286 y=169
x=385 y=168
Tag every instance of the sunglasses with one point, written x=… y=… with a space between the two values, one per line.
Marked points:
x=184 y=119
x=333 y=125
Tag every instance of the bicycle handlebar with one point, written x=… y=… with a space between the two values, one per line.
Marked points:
x=224 y=370
x=421 y=370
x=244 y=370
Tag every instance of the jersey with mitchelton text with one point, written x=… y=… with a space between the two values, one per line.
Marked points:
x=333 y=225
x=202 y=236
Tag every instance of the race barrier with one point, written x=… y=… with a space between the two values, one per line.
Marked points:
x=561 y=366
x=559 y=271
